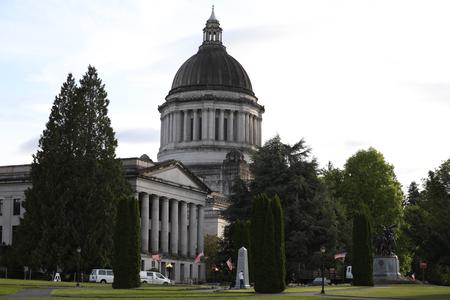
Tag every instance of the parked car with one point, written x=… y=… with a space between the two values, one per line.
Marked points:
x=318 y=281
x=153 y=277
x=101 y=275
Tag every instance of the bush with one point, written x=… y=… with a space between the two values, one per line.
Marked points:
x=362 y=250
x=267 y=245
x=127 y=258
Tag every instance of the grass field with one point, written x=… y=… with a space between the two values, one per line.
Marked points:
x=400 y=291
x=67 y=290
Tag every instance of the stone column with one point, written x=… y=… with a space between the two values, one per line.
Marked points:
x=212 y=124
x=172 y=131
x=259 y=131
x=185 y=126
x=256 y=131
x=155 y=224
x=195 y=127
x=183 y=228
x=230 y=126
x=161 y=133
x=169 y=127
x=174 y=227
x=166 y=131
x=192 y=229
x=240 y=128
x=221 y=122
x=177 y=126
x=165 y=225
x=204 y=124
x=245 y=127
x=201 y=219
x=250 y=130
x=144 y=197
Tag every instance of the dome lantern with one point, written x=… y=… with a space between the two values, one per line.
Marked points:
x=212 y=33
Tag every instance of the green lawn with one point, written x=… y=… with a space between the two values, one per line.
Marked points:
x=400 y=291
x=66 y=290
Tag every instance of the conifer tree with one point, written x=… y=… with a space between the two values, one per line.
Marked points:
x=267 y=246
x=127 y=258
x=362 y=268
x=76 y=182
x=280 y=256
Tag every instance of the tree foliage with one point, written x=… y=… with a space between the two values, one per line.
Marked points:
x=371 y=182
x=310 y=220
x=76 y=182
x=309 y=213
x=428 y=220
x=267 y=245
x=127 y=258
x=362 y=267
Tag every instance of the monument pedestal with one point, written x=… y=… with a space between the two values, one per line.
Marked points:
x=386 y=269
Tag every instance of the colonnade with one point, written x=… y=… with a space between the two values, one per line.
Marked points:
x=170 y=226
x=210 y=124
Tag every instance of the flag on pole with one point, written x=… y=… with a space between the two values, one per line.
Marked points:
x=198 y=257
x=229 y=264
x=156 y=257
x=340 y=256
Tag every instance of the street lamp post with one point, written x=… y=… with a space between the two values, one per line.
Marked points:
x=169 y=268
x=78 y=266
x=322 y=250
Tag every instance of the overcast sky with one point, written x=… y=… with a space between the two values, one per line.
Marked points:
x=343 y=75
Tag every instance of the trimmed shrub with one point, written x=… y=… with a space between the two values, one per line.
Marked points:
x=362 y=250
x=127 y=260
x=267 y=245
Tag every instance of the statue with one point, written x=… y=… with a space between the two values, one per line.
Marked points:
x=385 y=241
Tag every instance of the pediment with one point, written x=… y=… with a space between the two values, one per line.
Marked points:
x=175 y=172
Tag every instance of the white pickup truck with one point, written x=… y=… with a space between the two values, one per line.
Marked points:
x=153 y=277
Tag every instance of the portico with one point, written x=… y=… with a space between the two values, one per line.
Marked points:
x=171 y=201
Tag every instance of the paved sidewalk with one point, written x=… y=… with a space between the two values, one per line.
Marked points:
x=28 y=293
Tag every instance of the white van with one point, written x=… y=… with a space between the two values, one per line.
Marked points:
x=348 y=273
x=101 y=275
x=153 y=277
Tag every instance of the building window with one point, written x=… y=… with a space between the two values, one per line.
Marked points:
x=14 y=233
x=1 y=234
x=1 y=208
x=16 y=207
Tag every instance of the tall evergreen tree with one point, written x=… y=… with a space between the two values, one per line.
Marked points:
x=259 y=268
x=280 y=255
x=268 y=260
x=291 y=173
x=127 y=257
x=413 y=195
x=362 y=249
x=76 y=182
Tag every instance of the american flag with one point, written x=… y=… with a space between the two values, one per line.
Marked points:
x=340 y=255
x=229 y=264
x=198 y=257
x=156 y=257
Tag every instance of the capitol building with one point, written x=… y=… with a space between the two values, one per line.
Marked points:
x=210 y=122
